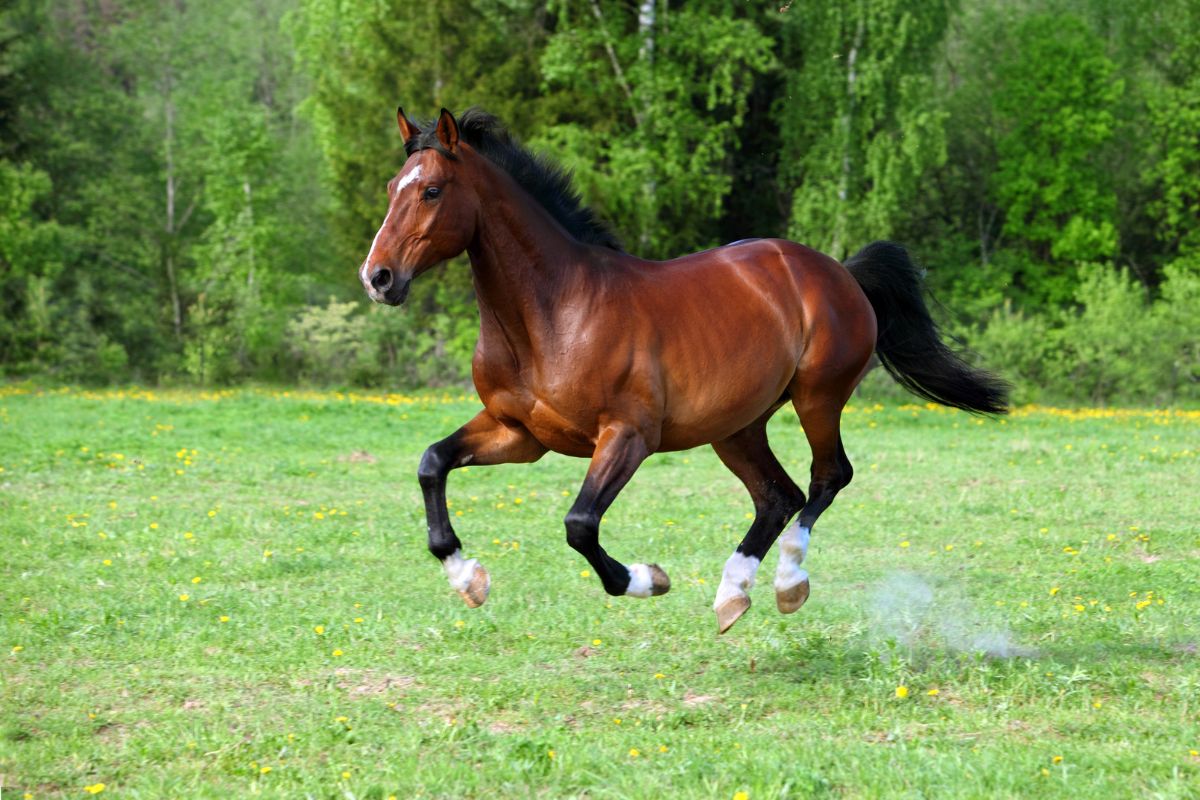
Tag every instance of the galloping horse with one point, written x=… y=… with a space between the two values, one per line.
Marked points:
x=591 y=352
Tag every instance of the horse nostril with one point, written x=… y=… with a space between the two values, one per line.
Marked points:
x=382 y=280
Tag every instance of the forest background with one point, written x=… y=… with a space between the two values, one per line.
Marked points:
x=187 y=188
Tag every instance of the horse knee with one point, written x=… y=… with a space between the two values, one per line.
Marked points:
x=433 y=466
x=582 y=530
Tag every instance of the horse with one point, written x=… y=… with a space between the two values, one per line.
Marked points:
x=592 y=352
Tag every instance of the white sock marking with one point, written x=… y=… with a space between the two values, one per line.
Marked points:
x=460 y=570
x=640 y=582
x=737 y=577
x=793 y=547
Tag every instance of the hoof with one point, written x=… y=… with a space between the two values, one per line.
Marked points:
x=647 y=580
x=477 y=590
x=789 y=600
x=731 y=611
x=659 y=582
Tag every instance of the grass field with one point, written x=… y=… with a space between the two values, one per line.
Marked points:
x=228 y=595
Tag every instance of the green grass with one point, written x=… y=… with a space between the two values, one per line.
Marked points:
x=1041 y=538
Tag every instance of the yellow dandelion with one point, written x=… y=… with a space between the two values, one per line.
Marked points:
x=337 y=653
x=183 y=598
x=223 y=618
x=95 y=788
x=212 y=513
x=319 y=629
x=551 y=754
x=1057 y=759
x=458 y=623
x=153 y=526
x=358 y=620
x=268 y=553
x=196 y=579
x=659 y=676
x=933 y=693
x=107 y=562
x=741 y=796
x=1045 y=772
x=264 y=770
x=1053 y=591
x=597 y=642
x=16 y=648
x=1097 y=704
x=585 y=574
x=633 y=752
x=189 y=535
x=905 y=543
x=902 y=692
x=341 y=719
x=662 y=748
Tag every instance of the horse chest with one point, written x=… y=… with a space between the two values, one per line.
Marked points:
x=557 y=420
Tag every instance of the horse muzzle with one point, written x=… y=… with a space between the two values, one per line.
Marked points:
x=385 y=285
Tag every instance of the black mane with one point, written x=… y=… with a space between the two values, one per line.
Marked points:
x=546 y=182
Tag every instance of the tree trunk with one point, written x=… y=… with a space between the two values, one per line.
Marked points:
x=170 y=228
x=843 y=194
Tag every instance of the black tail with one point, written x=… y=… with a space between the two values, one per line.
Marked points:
x=909 y=344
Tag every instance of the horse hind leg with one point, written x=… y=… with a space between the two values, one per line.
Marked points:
x=776 y=498
x=820 y=416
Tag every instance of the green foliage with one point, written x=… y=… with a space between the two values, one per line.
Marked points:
x=1175 y=119
x=183 y=185
x=1054 y=112
x=860 y=125
x=1115 y=345
x=661 y=96
x=30 y=260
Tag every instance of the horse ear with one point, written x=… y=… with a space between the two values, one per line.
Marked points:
x=407 y=129
x=447 y=130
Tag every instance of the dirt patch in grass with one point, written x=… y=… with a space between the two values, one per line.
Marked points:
x=371 y=683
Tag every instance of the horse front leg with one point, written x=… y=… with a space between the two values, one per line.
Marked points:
x=483 y=441
x=620 y=450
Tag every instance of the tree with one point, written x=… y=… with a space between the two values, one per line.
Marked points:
x=1055 y=116
x=859 y=124
x=659 y=96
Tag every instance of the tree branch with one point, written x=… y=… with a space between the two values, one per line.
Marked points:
x=616 y=65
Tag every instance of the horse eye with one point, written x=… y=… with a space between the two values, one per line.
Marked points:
x=432 y=193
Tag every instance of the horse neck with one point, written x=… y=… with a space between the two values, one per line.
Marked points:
x=522 y=261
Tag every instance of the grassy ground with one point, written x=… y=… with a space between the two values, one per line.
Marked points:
x=229 y=595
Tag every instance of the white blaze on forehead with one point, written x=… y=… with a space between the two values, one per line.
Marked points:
x=409 y=178
x=412 y=176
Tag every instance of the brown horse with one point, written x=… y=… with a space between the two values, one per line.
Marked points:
x=588 y=351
